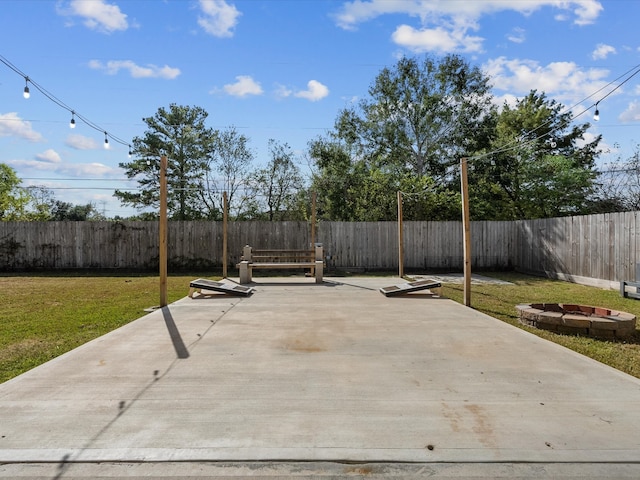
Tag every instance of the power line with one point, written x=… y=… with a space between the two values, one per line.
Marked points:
x=517 y=143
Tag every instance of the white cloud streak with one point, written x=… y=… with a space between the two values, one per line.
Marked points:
x=315 y=91
x=112 y=67
x=632 y=113
x=439 y=39
x=565 y=81
x=517 y=35
x=445 y=25
x=68 y=169
x=602 y=51
x=219 y=18
x=80 y=142
x=11 y=125
x=243 y=87
x=97 y=14
x=49 y=156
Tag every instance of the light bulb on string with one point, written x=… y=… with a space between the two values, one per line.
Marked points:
x=72 y=122
x=596 y=115
x=26 y=93
x=106 y=141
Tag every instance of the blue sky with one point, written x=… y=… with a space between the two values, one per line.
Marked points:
x=280 y=69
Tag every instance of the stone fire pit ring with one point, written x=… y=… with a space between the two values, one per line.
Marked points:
x=573 y=319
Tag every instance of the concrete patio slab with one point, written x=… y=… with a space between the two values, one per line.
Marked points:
x=300 y=372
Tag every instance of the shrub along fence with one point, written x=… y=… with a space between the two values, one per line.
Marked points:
x=603 y=247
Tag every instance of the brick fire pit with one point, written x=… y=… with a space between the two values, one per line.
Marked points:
x=578 y=320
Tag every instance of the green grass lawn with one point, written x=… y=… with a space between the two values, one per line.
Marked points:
x=44 y=316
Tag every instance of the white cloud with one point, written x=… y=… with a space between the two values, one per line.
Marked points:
x=68 y=169
x=358 y=11
x=315 y=91
x=245 y=85
x=437 y=39
x=564 y=81
x=602 y=51
x=94 y=169
x=11 y=125
x=219 y=17
x=80 y=142
x=445 y=24
x=517 y=35
x=283 y=91
x=49 y=156
x=112 y=67
x=632 y=113
x=97 y=14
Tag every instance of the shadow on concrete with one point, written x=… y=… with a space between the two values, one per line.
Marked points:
x=336 y=283
x=174 y=333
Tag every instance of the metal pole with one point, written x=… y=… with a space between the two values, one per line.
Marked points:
x=163 y=231
x=466 y=231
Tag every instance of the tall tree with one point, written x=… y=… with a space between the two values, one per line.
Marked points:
x=277 y=186
x=179 y=133
x=228 y=171
x=421 y=115
x=65 y=211
x=18 y=203
x=618 y=186
x=541 y=165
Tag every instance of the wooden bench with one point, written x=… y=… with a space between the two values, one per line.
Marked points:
x=281 y=260
x=631 y=292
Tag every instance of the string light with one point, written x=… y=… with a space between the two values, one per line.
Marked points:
x=60 y=103
x=26 y=93
x=516 y=144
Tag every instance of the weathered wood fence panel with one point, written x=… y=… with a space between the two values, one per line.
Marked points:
x=605 y=246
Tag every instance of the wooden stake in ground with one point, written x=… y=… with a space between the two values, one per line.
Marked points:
x=400 y=238
x=225 y=216
x=466 y=231
x=163 y=231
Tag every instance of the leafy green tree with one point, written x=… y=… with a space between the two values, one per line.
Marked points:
x=178 y=132
x=618 y=186
x=276 y=188
x=228 y=171
x=337 y=180
x=355 y=191
x=18 y=203
x=65 y=211
x=422 y=116
x=541 y=165
x=419 y=119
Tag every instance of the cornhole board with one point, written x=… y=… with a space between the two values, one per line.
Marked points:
x=228 y=288
x=409 y=287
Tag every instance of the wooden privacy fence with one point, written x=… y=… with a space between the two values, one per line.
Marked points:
x=597 y=246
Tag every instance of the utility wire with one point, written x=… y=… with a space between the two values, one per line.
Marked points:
x=517 y=143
